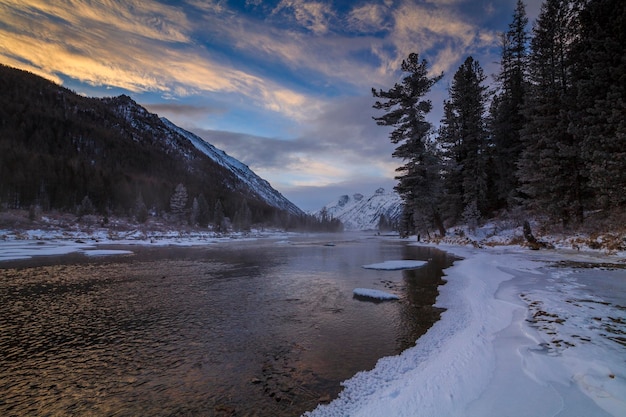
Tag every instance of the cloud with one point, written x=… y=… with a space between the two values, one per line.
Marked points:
x=211 y=6
x=313 y=15
x=185 y=114
x=341 y=145
x=434 y=27
x=150 y=20
x=152 y=47
x=369 y=17
x=104 y=46
x=183 y=109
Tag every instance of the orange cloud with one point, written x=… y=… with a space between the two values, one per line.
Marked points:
x=104 y=44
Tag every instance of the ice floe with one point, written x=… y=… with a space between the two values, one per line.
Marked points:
x=396 y=265
x=375 y=294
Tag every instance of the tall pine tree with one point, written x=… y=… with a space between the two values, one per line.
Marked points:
x=507 y=118
x=550 y=169
x=598 y=95
x=405 y=110
x=465 y=141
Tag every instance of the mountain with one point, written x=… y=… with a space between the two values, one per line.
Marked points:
x=243 y=173
x=364 y=213
x=57 y=148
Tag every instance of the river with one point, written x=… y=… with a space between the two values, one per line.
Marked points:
x=267 y=327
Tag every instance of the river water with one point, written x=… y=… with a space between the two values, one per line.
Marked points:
x=256 y=328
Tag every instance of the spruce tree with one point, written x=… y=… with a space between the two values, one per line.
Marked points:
x=449 y=139
x=507 y=118
x=465 y=140
x=243 y=217
x=405 y=110
x=598 y=95
x=219 y=219
x=195 y=211
x=204 y=215
x=178 y=201
x=550 y=169
x=140 y=209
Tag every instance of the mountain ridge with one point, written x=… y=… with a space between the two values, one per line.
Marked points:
x=57 y=148
x=241 y=170
x=358 y=212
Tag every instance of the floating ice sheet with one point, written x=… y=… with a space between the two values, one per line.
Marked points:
x=375 y=294
x=105 y=252
x=396 y=265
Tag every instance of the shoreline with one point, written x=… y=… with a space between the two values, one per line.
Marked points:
x=483 y=358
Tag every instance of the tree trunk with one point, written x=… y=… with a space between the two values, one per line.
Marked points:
x=439 y=223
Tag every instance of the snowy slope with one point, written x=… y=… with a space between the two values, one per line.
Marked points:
x=358 y=212
x=241 y=171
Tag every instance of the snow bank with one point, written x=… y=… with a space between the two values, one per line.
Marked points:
x=26 y=249
x=376 y=294
x=31 y=243
x=483 y=358
x=396 y=265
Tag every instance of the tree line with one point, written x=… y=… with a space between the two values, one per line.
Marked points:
x=548 y=139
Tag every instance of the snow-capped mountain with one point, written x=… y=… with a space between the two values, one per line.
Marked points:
x=358 y=212
x=241 y=171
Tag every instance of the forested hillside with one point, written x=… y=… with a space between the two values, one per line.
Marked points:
x=62 y=151
x=548 y=140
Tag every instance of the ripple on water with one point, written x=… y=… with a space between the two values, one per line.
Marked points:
x=252 y=330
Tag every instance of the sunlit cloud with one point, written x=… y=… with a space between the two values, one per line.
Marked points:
x=150 y=20
x=134 y=57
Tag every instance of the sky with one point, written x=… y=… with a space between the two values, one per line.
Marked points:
x=284 y=85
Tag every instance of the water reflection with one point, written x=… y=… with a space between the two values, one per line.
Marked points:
x=261 y=328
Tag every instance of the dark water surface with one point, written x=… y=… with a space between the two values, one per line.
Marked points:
x=261 y=328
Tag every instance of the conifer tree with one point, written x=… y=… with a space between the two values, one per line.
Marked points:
x=243 y=217
x=219 y=217
x=195 y=210
x=598 y=96
x=204 y=216
x=550 y=169
x=178 y=201
x=140 y=209
x=449 y=139
x=507 y=118
x=405 y=110
x=464 y=139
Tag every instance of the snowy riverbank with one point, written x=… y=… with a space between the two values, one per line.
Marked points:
x=27 y=244
x=521 y=336
x=525 y=333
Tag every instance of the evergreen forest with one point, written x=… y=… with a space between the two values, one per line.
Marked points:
x=546 y=139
